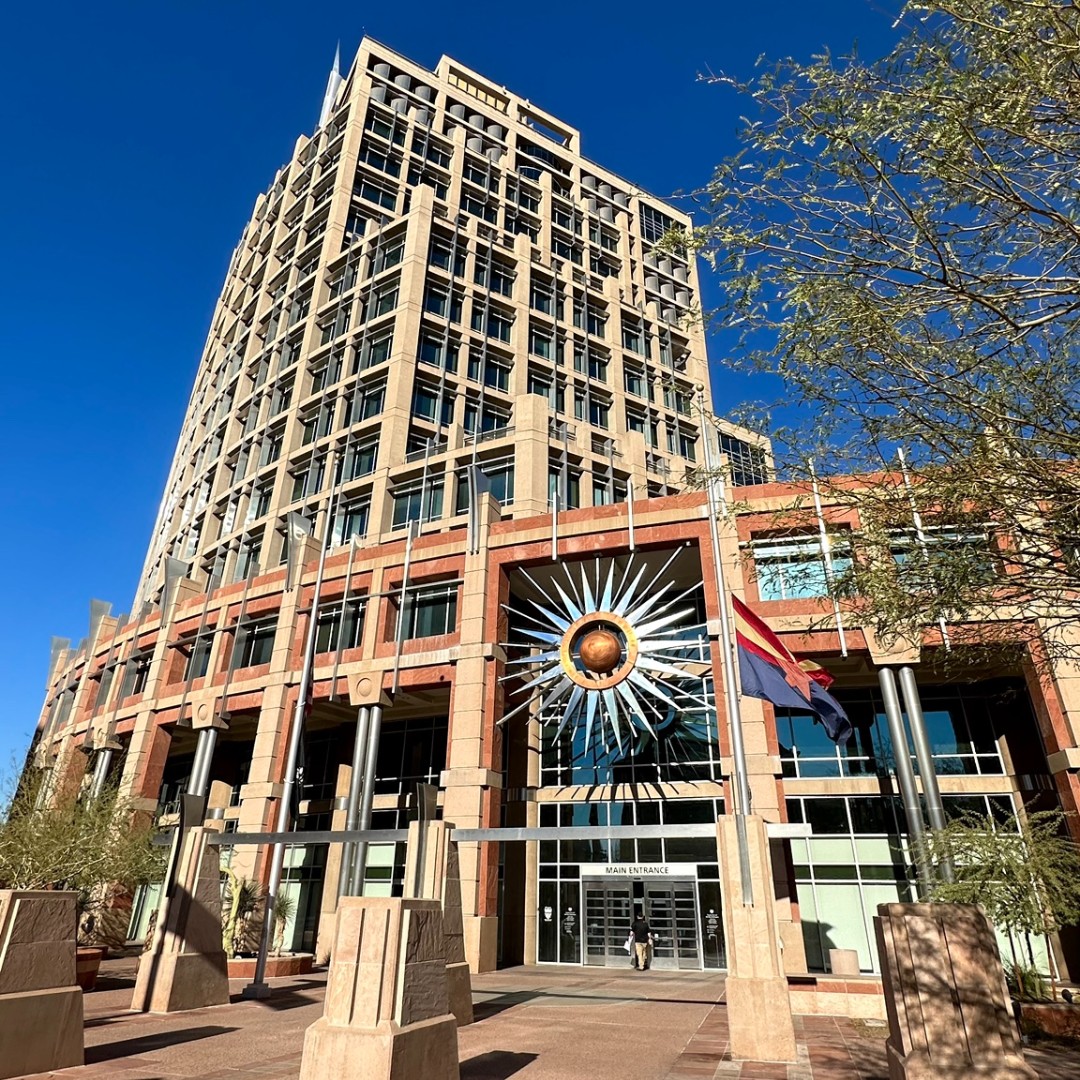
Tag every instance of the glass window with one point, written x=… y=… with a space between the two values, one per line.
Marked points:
x=430 y=611
x=383 y=299
x=790 y=568
x=385 y=127
x=748 y=463
x=438 y=352
x=340 y=625
x=381 y=192
x=360 y=459
x=352 y=521
x=433 y=403
x=413 y=503
x=136 y=673
x=632 y=337
x=255 y=643
x=498 y=277
x=488 y=418
x=542 y=296
x=497 y=323
x=374 y=350
x=437 y=301
x=366 y=401
x=247 y=559
x=654 y=223
x=443 y=253
x=370 y=154
x=498 y=476
x=541 y=342
x=388 y=254
x=946 y=555
x=496 y=370
x=433 y=151
x=599 y=411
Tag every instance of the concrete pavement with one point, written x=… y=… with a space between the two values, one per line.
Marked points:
x=533 y=1023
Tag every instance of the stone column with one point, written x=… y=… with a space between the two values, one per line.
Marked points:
x=948 y=1010
x=471 y=777
x=259 y=796
x=41 y=1008
x=431 y=873
x=386 y=1013
x=758 y=1005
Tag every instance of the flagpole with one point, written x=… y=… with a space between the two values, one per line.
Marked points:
x=258 y=987
x=741 y=782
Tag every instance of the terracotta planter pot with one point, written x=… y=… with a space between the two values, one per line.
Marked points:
x=277 y=967
x=87 y=961
x=1057 y=1019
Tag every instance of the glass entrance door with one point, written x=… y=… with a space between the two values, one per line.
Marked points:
x=671 y=910
x=607 y=922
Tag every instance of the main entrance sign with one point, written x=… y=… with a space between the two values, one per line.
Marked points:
x=639 y=870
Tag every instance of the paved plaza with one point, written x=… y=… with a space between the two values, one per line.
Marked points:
x=543 y=1023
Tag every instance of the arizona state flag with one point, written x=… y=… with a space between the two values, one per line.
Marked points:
x=770 y=672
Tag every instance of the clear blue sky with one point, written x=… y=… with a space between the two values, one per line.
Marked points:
x=136 y=137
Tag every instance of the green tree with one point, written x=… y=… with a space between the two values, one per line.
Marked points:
x=899 y=240
x=88 y=845
x=1028 y=881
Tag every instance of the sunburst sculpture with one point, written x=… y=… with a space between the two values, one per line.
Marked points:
x=602 y=645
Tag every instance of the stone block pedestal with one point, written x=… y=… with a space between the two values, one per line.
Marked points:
x=387 y=1014
x=948 y=1010
x=41 y=1008
x=844 y=962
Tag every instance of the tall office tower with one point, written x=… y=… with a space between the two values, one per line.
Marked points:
x=437 y=279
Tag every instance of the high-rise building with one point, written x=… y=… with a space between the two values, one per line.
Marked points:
x=438 y=279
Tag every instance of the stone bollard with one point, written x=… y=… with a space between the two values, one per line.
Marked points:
x=41 y=1008
x=949 y=1016
x=431 y=873
x=386 y=1015
x=844 y=962
x=185 y=966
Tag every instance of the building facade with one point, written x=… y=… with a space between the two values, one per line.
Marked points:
x=450 y=349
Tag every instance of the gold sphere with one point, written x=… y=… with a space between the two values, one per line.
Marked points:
x=600 y=651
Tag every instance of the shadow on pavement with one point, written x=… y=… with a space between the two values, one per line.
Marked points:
x=115 y=982
x=144 y=1044
x=495 y=1065
x=497 y=1003
x=285 y=997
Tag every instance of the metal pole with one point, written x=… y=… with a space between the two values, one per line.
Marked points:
x=826 y=555
x=925 y=759
x=905 y=776
x=352 y=806
x=258 y=987
x=204 y=754
x=399 y=628
x=731 y=687
x=920 y=535
x=359 y=867
x=101 y=771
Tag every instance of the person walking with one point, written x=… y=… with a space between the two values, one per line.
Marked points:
x=642 y=935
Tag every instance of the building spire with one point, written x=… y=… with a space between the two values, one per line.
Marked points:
x=332 y=85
